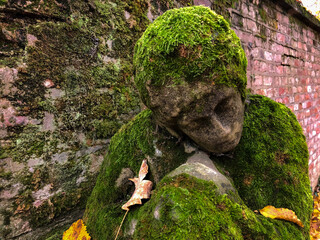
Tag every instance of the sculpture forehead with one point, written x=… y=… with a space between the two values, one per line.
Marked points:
x=189 y=45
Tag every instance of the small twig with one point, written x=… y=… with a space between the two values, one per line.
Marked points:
x=121 y=224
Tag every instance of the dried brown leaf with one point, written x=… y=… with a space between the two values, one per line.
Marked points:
x=142 y=187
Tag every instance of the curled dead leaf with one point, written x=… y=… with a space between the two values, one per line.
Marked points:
x=142 y=187
x=281 y=213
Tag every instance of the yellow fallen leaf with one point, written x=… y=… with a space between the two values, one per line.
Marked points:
x=281 y=213
x=77 y=231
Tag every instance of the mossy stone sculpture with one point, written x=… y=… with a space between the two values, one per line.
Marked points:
x=191 y=60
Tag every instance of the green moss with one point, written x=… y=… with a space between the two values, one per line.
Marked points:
x=270 y=164
x=3 y=2
x=262 y=36
x=189 y=44
x=29 y=143
x=263 y=14
x=269 y=17
x=5 y=175
x=6 y=215
x=133 y=142
x=105 y=128
x=186 y=206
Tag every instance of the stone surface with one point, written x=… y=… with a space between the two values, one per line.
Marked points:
x=199 y=165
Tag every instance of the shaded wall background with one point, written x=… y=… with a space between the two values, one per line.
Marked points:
x=66 y=86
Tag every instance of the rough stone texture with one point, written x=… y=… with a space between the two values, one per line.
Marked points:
x=200 y=166
x=211 y=116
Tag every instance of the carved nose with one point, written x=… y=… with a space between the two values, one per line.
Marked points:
x=219 y=127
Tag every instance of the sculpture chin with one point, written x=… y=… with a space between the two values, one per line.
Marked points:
x=215 y=141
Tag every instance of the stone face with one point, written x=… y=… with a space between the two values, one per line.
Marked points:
x=191 y=94
x=212 y=116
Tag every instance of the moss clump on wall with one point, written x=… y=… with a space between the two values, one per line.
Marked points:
x=270 y=164
x=133 y=143
x=189 y=44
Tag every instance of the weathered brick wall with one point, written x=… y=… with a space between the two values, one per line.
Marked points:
x=283 y=51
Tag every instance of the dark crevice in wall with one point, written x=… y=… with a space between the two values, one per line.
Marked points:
x=23 y=14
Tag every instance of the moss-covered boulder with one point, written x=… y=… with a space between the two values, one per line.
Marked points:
x=268 y=167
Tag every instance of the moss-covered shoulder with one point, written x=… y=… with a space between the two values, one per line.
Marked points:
x=188 y=208
x=134 y=142
x=189 y=44
x=270 y=164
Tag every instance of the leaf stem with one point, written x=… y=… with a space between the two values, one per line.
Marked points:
x=121 y=224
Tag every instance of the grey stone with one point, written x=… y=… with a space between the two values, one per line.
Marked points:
x=95 y=163
x=3 y=133
x=10 y=193
x=132 y=227
x=189 y=148
x=200 y=166
x=7 y=77
x=48 y=122
x=123 y=178
x=60 y=157
x=19 y=227
x=33 y=162
x=109 y=43
x=127 y=15
x=206 y=3
x=11 y=166
x=55 y=93
x=31 y=39
x=88 y=150
x=80 y=180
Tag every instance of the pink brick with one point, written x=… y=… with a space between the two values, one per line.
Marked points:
x=277 y=57
x=279 y=70
x=281 y=37
x=257 y=81
x=282 y=91
x=269 y=92
x=268 y=56
x=267 y=81
x=264 y=67
x=251 y=25
x=285 y=19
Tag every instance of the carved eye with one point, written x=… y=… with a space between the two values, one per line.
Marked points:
x=223 y=106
